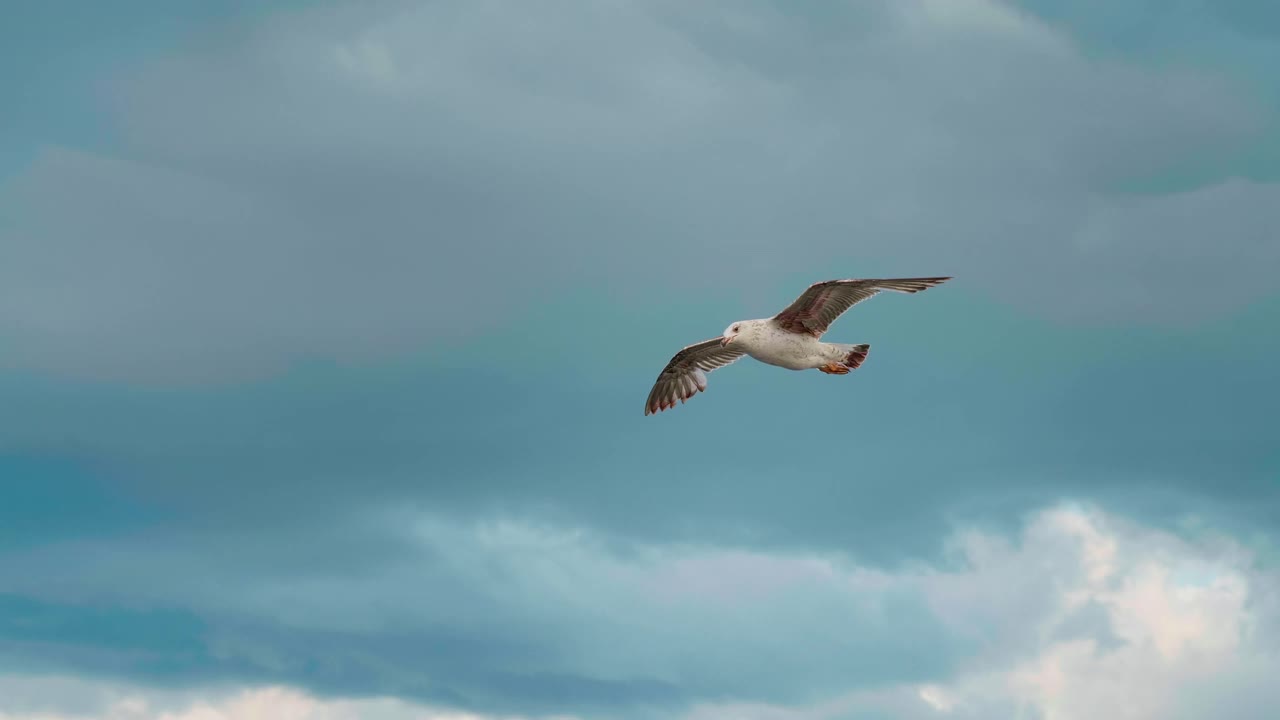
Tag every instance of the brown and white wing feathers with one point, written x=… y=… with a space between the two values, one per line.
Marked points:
x=820 y=305
x=686 y=374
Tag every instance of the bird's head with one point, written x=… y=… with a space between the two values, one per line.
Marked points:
x=731 y=333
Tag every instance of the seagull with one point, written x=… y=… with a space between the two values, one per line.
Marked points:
x=790 y=339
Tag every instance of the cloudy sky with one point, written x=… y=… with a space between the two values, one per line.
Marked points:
x=326 y=329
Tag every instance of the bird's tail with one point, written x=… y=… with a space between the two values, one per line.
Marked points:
x=854 y=355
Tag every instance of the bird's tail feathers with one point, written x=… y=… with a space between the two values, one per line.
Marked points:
x=855 y=355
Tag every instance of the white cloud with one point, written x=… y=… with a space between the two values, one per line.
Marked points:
x=1187 y=630
x=120 y=701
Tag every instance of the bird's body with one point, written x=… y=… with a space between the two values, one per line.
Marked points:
x=791 y=339
x=765 y=341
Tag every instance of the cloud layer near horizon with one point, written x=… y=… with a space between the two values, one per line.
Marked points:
x=1081 y=614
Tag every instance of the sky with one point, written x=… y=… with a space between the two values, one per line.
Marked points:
x=326 y=329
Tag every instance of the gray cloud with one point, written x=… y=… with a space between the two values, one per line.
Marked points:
x=365 y=180
x=499 y=615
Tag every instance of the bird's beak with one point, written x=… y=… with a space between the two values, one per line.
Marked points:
x=726 y=340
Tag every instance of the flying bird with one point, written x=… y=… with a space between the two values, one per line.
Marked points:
x=790 y=339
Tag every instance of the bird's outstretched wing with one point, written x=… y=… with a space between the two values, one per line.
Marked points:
x=820 y=305
x=686 y=374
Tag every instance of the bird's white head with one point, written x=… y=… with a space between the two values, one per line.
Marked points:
x=732 y=332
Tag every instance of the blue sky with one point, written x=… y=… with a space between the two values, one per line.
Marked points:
x=325 y=331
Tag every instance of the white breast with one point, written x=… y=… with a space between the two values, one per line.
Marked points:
x=774 y=346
